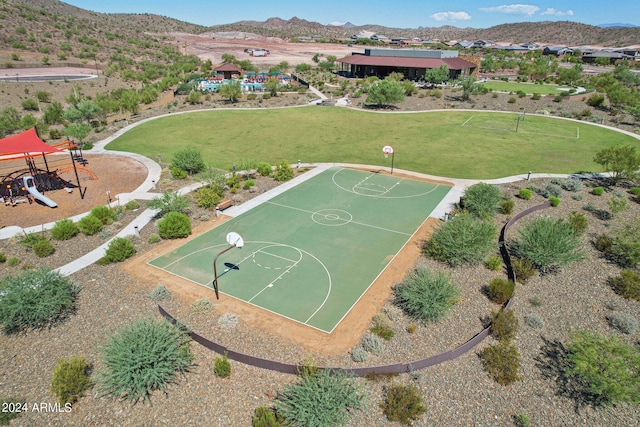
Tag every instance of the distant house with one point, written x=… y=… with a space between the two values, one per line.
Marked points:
x=531 y=46
x=630 y=52
x=380 y=38
x=413 y=63
x=590 y=57
x=400 y=41
x=463 y=44
x=482 y=44
x=557 y=50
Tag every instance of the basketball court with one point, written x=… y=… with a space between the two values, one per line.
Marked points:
x=310 y=253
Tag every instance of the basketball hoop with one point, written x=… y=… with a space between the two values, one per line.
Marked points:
x=386 y=150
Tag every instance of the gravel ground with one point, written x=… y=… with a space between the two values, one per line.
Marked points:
x=456 y=393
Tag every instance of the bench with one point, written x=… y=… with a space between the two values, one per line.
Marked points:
x=227 y=203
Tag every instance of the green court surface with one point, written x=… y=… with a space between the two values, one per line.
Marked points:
x=311 y=252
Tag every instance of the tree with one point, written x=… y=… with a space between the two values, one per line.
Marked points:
x=9 y=121
x=570 y=76
x=228 y=58
x=130 y=101
x=271 y=86
x=469 y=87
x=78 y=131
x=231 y=91
x=385 y=93
x=85 y=110
x=437 y=75
x=621 y=160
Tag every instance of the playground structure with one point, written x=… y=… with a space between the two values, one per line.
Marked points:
x=29 y=184
x=250 y=82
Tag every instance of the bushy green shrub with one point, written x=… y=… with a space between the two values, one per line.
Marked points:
x=578 y=222
x=627 y=284
x=29 y=240
x=3 y=258
x=263 y=416
x=506 y=206
x=13 y=261
x=502 y=362
x=132 y=205
x=534 y=320
x=525 y=194
x=523 y=269
x=572 y=184
x=482 y=200
x=283 y=171
x=105 y=214
x=550 y=189
x=522 y=420
x=222 y=366
x=625 y=246
x=618 y=204
x=174 y=225
x=153 y=238
x=119 y=249
x=178 y=173
x=603 y=243
x=462 y=240
x=554 y=201
x=90 y=225
x=504 y=325
x=425 y=295
x=170 y=201
x=494 y=263
x=547 y=243
x=64 y=229
x=43 y=248
x=403 y=403
x=160 y=293
x=326 y=399
x=188 y=159
x=248 y=184
x=624 y=322
x=70 y=379
x=207 y=197
x=500 y=290
x=597 y=191
x=264 y=169
x=142 y=357
x=607 y=368
x=35 y=299
x=372 y=344
x=359 y=354
x=635 y=191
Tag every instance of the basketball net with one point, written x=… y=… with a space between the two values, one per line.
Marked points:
x=386 y=155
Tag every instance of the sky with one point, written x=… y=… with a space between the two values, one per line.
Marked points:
x=398 y=14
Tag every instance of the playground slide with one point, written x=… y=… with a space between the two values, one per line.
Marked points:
x=30 y=186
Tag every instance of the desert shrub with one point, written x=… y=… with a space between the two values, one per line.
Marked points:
x=174 y=225
x=554 y=201
x=596 y=100
x=202 y=306
x=547 y=243
x=522 y=420
x=36 y=298
x=178 y=173
x=550 y=189
x=511 y=100
x=170 y=201
x=525 y=194
x=131 y=205
x=263 y=416
x=264 y=169
x=603 y=243
x=3 y=258
x=597 y=191
x=283 y=171
x=207 y=197
x=536 y=301
x=625 y=323
x=403 y=403
x=70 y=379
x=572 y=184
x=627 y=284
x=382 y=327
x=504 y=325
x=326 y=399
x=105 y=214
x=635 y=191
x=160 y=293
x=607 y=368
x=393 y=312
x=188 y=159
x=14 y=406
x=625 y=246
x=534 y=320
x=90 y=225
x=64 y=229
x=248 y=184
x=153 y=238
x=359 y=354
x=425 y=295
x=494 y=263
x=222 y=366
x=228 y=320
x=482 y=200
x=13 y=261
x=578 y=222
x=29 y=240
x=372 y=344
x=462 y=240
x=523 y=269
x=143 y=357
x=43 y=248
x=506 y=206
x=502 y=362
x=500 y=290
x=119 y=249
x=618 y=204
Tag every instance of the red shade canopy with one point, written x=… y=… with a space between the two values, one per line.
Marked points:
x=27 y=143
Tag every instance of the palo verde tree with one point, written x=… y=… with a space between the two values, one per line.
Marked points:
x=385 y=93
x=231 y=91
x=621 y=160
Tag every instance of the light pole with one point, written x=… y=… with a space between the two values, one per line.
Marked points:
x=387 y=149
x=235 y=241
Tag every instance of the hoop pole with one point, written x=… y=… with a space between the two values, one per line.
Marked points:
x=393 y=155
x=215 y=270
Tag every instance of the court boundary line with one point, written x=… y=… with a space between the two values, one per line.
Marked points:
x=503 y=129
x=340 y=169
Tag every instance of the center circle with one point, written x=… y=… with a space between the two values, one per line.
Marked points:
x=332 y=217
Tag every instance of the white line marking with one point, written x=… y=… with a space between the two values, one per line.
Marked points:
x=467 y=121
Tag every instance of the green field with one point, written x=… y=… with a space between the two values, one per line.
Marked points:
x=528 y=88
x=435 y=143
x=313 y=251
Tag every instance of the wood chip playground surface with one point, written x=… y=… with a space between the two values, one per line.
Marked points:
x=313 y=251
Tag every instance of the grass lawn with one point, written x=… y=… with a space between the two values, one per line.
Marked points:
x=528 y=88
x=461 y=144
